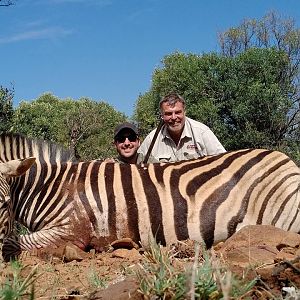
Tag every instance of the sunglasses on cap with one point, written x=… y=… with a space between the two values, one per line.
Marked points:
x=122 y=138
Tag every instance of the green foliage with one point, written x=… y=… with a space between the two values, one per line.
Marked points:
x=19 y=229
x=17 y=287
x=248 y=95
x=39 y=118
x=6 y=108
x=86 y=126
x=281 y=34
x=96 y=281
x=146 y=112
x=270 y=31
x=243 y=99
x=160 y=277
x=256 y=103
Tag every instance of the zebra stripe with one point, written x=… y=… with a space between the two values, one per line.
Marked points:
x=5 y=212
x=8 y=169
x=94 y=203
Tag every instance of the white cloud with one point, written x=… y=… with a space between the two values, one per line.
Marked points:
x=47 y=33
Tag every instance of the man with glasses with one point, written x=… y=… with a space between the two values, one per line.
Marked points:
x=127 y=142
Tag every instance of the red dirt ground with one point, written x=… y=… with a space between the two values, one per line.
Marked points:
x=263 y=252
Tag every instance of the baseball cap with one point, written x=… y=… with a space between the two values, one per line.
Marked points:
x=125 y=125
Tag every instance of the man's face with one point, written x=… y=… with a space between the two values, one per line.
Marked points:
x=127 y=143
x=173 y=116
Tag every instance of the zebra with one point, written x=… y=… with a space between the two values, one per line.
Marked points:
x=12 y=168
x=93 y=203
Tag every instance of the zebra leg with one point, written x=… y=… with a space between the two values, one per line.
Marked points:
x=9 y=169
x=50 y=238
x=13 y=246
x=77 y=232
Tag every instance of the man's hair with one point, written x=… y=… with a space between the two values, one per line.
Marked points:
x=171 y=99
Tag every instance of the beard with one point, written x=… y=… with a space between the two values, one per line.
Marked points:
x=176 y=127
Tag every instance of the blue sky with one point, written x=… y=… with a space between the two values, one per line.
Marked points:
x=108 y=49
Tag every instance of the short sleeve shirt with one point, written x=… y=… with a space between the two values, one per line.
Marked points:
x=196 y=140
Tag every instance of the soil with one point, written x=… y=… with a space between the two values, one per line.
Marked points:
x=270 y=255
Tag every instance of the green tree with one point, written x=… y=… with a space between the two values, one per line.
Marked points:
x=6 y=108
x=86 y=126
x=90 y=128
x=244 y=99
x=248 y=94
x=39 y=118
x=282 y=34
x=146 y=111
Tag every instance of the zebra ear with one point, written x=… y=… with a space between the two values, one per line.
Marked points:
x=16 y=167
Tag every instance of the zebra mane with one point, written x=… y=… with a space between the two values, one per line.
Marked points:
x=16 y=146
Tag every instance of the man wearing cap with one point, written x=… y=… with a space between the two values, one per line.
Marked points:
x=127 y=142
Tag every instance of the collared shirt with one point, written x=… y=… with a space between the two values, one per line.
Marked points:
x=196 y=140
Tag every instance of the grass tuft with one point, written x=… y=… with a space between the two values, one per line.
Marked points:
x=160 y=276
x=16 y=287
x=96 y=281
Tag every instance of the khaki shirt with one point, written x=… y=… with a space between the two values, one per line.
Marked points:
x=196 y=140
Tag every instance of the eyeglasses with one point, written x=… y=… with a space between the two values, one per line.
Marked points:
x=122 y=138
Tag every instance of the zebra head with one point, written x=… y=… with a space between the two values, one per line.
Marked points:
x=12 y=168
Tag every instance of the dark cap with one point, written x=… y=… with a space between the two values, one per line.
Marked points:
x=125 y=125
